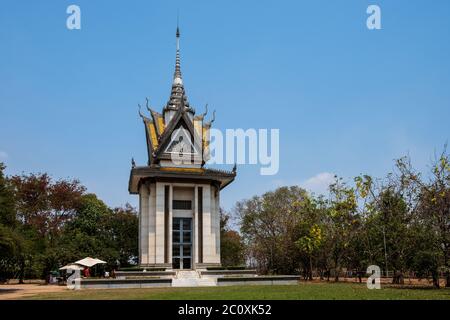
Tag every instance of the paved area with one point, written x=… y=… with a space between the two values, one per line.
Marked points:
x=22 y=291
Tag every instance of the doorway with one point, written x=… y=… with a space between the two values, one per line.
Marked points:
x=182 y=243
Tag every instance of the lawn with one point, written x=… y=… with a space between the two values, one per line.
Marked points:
x=303 y=291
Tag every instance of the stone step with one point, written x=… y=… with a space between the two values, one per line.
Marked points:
x=189 y=278
x=187 y=275
x=184 y=283
x=206 y=282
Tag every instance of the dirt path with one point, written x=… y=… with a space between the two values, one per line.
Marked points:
x=23 y=291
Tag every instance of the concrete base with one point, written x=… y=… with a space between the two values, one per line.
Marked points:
x=144 y=275
x=124 y=283
x=150 y=266
x=187 y=278
x=258 y=280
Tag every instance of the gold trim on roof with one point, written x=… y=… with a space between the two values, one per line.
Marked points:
x=161 y=124
x=205 y=142
x=153 y=136
x=178 y=169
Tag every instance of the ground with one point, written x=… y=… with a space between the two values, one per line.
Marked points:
x=24 y=291
x=303 y=291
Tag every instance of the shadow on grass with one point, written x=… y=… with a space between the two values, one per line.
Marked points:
x=5 y=291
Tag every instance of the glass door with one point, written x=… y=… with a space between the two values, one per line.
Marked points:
x=182 y=243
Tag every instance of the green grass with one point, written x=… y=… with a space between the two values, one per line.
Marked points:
x=303 y=291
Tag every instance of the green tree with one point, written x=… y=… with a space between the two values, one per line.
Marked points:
x=43 y=208
x=343 y=220
x=310 y=244
x=124 y=227
x=98 y=231
x=231 y=245
x=432 y=208
x=11 y=241
x=269 y=226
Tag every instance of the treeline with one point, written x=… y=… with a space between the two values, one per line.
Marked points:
x=400 y=223
x=45 y=224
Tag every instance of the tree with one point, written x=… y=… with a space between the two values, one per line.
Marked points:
x=231 y=245
x=98 y=231
x=124 y=227
x=43 y=207
x=269 y=228
x=11 y=242
x=433 y=208
x=389 y=221
x=342 y=222
x=310 y=245
x=46 y=205
x=88 y=233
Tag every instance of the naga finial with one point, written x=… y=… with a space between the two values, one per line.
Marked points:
x=214 y=116
x=206 y=111
x=140 y=113
x=146 y=105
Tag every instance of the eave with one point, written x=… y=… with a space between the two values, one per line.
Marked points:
x=198 y=175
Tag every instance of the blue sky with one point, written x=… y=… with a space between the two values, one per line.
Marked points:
x=347 y=100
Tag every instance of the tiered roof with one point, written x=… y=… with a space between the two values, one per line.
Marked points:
x=159 y=129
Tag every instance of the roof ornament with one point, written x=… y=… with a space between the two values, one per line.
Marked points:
x=133 y=163
x=140 y=113
x=214 y=117
x=234 y=168
x=177 y=79
x=146 y=105
x=206 y=111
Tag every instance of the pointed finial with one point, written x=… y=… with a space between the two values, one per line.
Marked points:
x=147 y=105
x=140 y=113
x=178 y=20
x=133 y=164
x=234 y=168
x=177 y=75
x=206 y=111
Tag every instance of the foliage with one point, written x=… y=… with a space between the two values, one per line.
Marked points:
x=45 y=224
x=400 y=223
x=231 y=245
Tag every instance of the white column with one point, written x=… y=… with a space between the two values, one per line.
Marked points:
x=195 y=227
x=217 y=213
x=170 y=222
x=144 y=223
x=212 y=229
x=215 y=227
x=152 y=225
x=159 y=223
x=206 y=224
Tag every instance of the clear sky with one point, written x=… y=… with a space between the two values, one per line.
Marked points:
x=347 y=100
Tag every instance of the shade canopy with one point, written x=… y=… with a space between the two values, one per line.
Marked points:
x=89 y=262
x=72 y=266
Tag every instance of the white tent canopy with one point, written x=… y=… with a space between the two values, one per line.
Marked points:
x=72 y=266
x=89 y=262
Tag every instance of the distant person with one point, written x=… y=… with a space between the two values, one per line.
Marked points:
x=113 y=273
x=106 y=274
x=86 y=272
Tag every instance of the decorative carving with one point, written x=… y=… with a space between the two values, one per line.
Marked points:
x=206 y=111
x=147 y=106
x=140 y=113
